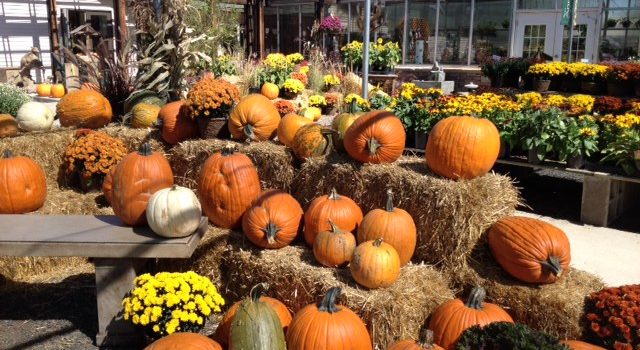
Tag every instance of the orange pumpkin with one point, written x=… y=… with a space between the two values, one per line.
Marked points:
x=453 y=317
x=462 y=147
x=289 y=125
x=580 y=345
x=273 y=221
x=57 y=90
x=327 y=326
x=375 y=264
x=23 y=187
x=8 y=126
x=84 y=109
x=136 y=178
x=311 y=140
x=342 y=210
x=227 y=186
x=270 y=91
x=43 y=89
x=395 y=226
x=376 y=137
x=107 y=185
x=177 y=126
x=424 y=343
x=529 y=249
x=184 y=341
x=224 y=328
x=335 y=247
x=255 y=118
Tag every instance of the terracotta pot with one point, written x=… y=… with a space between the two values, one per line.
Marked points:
x=541 y=85
x=590 y=87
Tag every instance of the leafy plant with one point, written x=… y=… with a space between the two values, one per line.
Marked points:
x=11 y=99
x=384 y=55
x=580 y=138
x=621 y=150
x=507 y=336
x=543 y=131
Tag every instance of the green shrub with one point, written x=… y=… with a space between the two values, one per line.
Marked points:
x=507 y=336
x=11 y=99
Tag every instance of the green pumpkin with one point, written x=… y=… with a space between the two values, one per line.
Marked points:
x=143 y=96
x=256 y=325
x=340 y=125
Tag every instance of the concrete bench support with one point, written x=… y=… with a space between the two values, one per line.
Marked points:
x=605 y=199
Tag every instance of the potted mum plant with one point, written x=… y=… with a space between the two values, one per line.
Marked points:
x=332 y=26
x=541 y=74
x=384 y=56
x=580 y=141
x=209 y=102
x=352 y=55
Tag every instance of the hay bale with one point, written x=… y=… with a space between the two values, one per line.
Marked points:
x=450 y=215
x=553 y=308
x=274 y=162
x=295 y=278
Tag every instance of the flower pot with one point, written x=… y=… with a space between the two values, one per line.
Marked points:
x=541 y=85
x=88 y=184
x=213 y=128
x=497 y=81
x=504 y=150
x=533 y=158
x=287 y=95
x=576 y=162
x=590 y=87
x=636 y=88
x=570 y=84
x=421 y=140
x=617 y=88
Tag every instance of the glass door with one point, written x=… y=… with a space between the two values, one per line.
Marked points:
x=537 y=32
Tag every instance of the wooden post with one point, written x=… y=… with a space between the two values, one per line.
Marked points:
x=52 y=8
x=261 y=30
x=122 y=32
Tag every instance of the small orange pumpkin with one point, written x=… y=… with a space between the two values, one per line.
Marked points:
x=311 y=140
x=177 y=126
x=57 y=90
x=342 y=210
x=462 y=147
x=255 y=118
x=273 y=221
x=335 y=247
x=289 y=125
x=376 y=137
x=270 y=91
x=453 y=317
x=425 y=342
x=43 y=89
x=580 y=345
x=107 y=185
x=184 y=341
x=8 y=126
x=84 y=109
x=23 y=187
x=375 y=264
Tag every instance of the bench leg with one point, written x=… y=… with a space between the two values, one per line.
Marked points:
x=114 y=279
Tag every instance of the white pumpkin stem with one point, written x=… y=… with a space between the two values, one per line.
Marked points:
x=333 y=195
x=389 y=206
x=271 y=231
x=553 y=264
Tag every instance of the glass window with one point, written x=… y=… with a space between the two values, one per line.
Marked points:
x=422 y=28
x=579 y=43
x=620 y=34
x=536 y=4
x=533 y=40
x=453 y=31
x=289 y=29
x=492 y=21
x=271 y=29
x=308 y=16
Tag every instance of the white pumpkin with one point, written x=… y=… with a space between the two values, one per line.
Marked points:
x=174 y=212
x=34 y=116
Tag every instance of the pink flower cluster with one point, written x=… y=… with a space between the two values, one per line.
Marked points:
x=331 y=24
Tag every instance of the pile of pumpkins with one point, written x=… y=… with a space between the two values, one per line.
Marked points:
x=50 y=90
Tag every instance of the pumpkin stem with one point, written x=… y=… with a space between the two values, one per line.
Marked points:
x=174 y=187
x=258 y=290
x=7 y=154
x=334 y=196
x=145 y=149
x=426 y=338
x=248 y=132
x=271 y=231
x=553 y=264
x=377 y=242
x=476 y=298
x=334 y=227
x=373 y=145
x=228 y=149
x=353 y=105
x=389 y=207
x=328 y=303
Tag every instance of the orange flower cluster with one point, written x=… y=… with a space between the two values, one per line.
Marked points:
x=332 y=98
x=212 y=98
x=93 y=154
x=300 y=76
x=284 y=107
x=613 y=315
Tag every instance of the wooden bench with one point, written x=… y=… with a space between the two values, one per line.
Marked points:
x=119 y=254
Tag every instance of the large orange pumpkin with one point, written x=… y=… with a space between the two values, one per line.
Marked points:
x=327 y=326
x=334 y=248
x=289 y=125
x=8 y=126
x=376 y=137
x=311 y=140
x=462 y=147
x=255 y=118
x=453 y=317
x=270 y=91
x=342 y=210
x=184 y=341
x=177 y=126
x=224 y=328
x=529 y=249
x=273 y=221
x=136 y=178
x=23 y=187
x=227 y=186
x=84 y=109
x=425 y=342
x=580 y=345
x=394 y=225
x=375 y=264
x=57 y=90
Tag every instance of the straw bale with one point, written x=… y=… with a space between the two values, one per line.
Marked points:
x=553 y=308
x=297 y=280
x=450 y=215
x=274 y=162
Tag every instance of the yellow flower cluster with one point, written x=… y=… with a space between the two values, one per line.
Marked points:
x=331 y=80
x=361 y=102
x=579 y=69
x=304 y=70
x=409 y=91
x=93 y=153
x=277 y=61
x=353 y=46
x=317 y=101
x=478 y=105
x=549 y=69
x=171 y=302
x=529 y=99
x=625 y=121
x=584 y=102
x=554 y=100
x=293 y=86
x=295 y=58
x=434 y=92
x=211 y=98
x=588 y=132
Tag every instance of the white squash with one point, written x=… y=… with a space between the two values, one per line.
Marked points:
x=174 y=212
x=34 y=116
